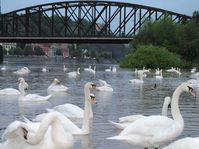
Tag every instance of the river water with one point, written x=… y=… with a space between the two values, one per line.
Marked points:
x=126 y=98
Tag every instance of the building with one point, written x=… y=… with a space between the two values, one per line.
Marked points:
x=8 y=46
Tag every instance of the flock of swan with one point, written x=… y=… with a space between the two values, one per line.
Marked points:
x=55 y=129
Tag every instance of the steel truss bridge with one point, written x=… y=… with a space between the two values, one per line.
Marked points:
x=80 y=22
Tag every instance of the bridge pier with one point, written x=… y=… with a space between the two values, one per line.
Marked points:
x=1 y=54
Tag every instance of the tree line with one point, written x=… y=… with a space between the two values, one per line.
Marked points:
x=180 y=40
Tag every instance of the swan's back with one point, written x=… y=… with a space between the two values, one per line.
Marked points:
x=185 y=143
x=152 y=129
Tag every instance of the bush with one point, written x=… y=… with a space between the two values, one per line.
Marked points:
x=151 y=57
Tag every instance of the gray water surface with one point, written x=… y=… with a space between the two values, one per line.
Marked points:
x=126 y=98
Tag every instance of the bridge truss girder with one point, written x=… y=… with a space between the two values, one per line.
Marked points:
x=80 y=21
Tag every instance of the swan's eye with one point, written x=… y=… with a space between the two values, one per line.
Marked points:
x=190 y=89
x=93 y=85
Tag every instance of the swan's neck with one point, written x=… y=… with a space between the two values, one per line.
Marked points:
x=175 y=111
x=87 y=111
x=165 y=108
x=21 y=90
x=56 y=130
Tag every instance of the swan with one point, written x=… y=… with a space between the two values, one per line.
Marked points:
x=108 y=69
x=69 y=110
x=114 y=69
x=9 y=91
x=193 y=70
x=185 y=143
x=30 y=97
x=88 y=69
x=153 y=131
x=74 y=74
x=65 y=68
x=104 y=86
x=160 y=75
x=20 y=135
x=171 y=70
x=3 y=68
x=22 y=71
x=69 y=126
x=127 y=120
x=137 y=81
x=56 y=86
x=157 y=72
x=44 y=69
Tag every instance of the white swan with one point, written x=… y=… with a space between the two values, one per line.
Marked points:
x=3 y=68
x=108 y=69
x=171 y=70
x=56 y=86
x=137 y=81
x=193 y=70
x=22 y=71
x=114 y=69
x=154 y=131
x=74 y=74
x=44 y=69
x=185 y=143
x=160 y=75
x=88 y=69
x=9 y=91
x=69 y=110
x=65 y=68
x=104 y=86
x=157 y=72
x=69 y=126
x=30 y=97
x=127 y=120
x=20 y=135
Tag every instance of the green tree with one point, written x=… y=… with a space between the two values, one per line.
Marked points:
x=38 y=51
x=151 y=57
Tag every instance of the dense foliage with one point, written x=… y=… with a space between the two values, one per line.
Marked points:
x=151 y=57
x=177 y=39
x=182 y=39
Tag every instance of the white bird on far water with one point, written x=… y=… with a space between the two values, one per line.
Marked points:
x=30 y=97
x=154 y=131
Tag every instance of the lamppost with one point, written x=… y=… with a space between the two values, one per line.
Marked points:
x=0 y=6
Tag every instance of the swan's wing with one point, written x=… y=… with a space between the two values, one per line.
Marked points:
x=70 y=110
x=149 y=126
x=102 y=82
x=130 y=118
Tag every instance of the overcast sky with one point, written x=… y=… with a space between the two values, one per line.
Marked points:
x=180 y=6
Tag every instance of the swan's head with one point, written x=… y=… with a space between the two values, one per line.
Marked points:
x=187 y=87
x=93 y=99
x=56 y=81
x=90 y=85
x=167 y=101
x=22 y=84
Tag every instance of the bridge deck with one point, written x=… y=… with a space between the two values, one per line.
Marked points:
x=66 y=40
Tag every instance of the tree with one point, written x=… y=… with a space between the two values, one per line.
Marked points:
x=151 y=57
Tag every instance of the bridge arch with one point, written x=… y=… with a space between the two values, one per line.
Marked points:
x=80 y=22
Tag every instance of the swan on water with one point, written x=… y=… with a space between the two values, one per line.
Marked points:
x=69 y=110
x=49 y=134
x=185 y=143
x=193 y=70
x=30 y=97
x=127 y=120
x=74 y=74
x=73 y=128
x=137 y=81
x=160 y=75
x=22 y=71
x=56 y=86
x=65 y=68
x=154 y=131
x=104 y=86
